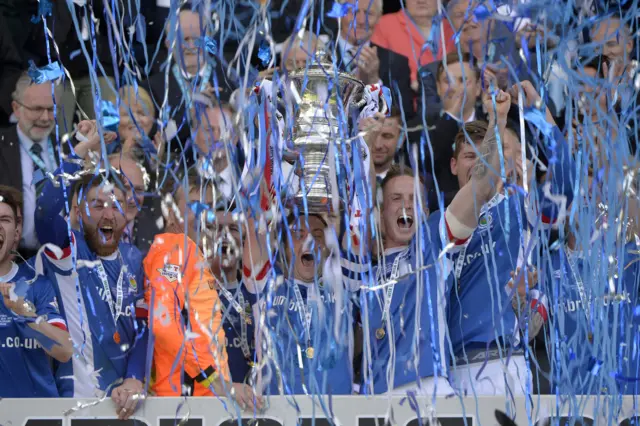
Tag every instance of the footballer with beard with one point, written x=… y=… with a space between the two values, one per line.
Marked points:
x=98 y=282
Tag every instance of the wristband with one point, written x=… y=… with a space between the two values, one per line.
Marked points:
x=457 y=230
x=210 y=380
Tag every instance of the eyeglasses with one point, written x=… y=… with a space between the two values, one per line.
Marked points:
x=36 y=111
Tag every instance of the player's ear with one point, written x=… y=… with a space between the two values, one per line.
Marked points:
x=454 y=166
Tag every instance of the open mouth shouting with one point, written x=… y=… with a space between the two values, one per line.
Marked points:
x=1 y=241
x=307 y=259
x=107 y=233
x=405 y=221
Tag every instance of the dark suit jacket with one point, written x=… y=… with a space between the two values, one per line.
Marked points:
x=442 y=133
x=11 y=166
x=10 y=158
x=394 y=73
x=156 y=86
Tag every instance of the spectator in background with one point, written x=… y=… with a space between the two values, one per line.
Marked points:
x=296 y=50
x=137 y=117
x=216 y=143
x=383 y=136
x=27 y=152
x=12 y=66
x=460 y=88
x=613 y=39
x=191 y=70
x=406 y=32
x=484 y=39
x=370 y=63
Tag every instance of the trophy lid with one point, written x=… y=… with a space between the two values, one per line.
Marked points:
x=323 y=67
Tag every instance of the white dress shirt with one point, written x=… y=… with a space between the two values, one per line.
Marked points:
x=471 y=118
x=29 y=239
x=345 y=50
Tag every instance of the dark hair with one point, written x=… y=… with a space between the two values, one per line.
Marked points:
x=13 y=198
x=476 y=131
x=292 y=218
x=455 y=58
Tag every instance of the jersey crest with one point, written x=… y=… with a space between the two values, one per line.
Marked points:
x=485 y=221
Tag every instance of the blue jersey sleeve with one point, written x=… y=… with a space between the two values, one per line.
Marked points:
x=46 y=302
x=355 y=269
x=136 y=360
x=63 y=373
x=560 y=176
x=50 y=225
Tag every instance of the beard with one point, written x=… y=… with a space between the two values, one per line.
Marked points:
x=96 y=242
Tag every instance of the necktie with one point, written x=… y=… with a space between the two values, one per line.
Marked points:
x=36 y=150
x=38 y=173
x=351 y=59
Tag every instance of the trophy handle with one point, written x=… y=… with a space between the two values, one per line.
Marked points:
x=383 y=108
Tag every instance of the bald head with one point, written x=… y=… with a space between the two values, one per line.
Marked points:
x=613 y=38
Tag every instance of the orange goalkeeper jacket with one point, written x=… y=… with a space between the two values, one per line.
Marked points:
x=177 y=281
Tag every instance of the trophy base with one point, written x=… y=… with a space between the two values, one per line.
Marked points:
x=316 y=203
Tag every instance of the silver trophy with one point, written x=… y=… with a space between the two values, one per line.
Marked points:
x=316 y=124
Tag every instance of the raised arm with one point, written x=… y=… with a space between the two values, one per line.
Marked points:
x=51 y=227
x=561 y=168
x=461 y=217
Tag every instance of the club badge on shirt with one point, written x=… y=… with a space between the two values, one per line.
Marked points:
x=170 y=272
x=485 y=221
x=133 y=285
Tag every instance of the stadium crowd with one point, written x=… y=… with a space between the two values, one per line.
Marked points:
x=134 y=262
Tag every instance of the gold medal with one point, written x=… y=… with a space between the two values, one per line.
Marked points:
x=116 y=337
x=380 y=333
x=309 y=352
x=590 y=337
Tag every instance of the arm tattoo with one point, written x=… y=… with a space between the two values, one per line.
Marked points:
x=487 y=151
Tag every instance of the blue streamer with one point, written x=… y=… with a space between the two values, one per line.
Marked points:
x=49 y=72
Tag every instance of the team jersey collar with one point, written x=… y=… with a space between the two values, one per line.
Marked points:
x=391 y=251
x=11 y=274
x=112 y=256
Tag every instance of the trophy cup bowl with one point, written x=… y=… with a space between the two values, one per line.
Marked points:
x=326 y=99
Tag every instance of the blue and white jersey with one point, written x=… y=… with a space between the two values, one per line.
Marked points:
x=101 y=299
x=480 y=308
x=595 y=351
x=105 y=350
x=25 y=368
x=416 y=307
x=239 y=329
x=304 y=352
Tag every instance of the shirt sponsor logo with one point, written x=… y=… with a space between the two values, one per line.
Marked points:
x=576 y=305
x=484 y=250
x=170 y=272
x=18 y=342
x=293 y=306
